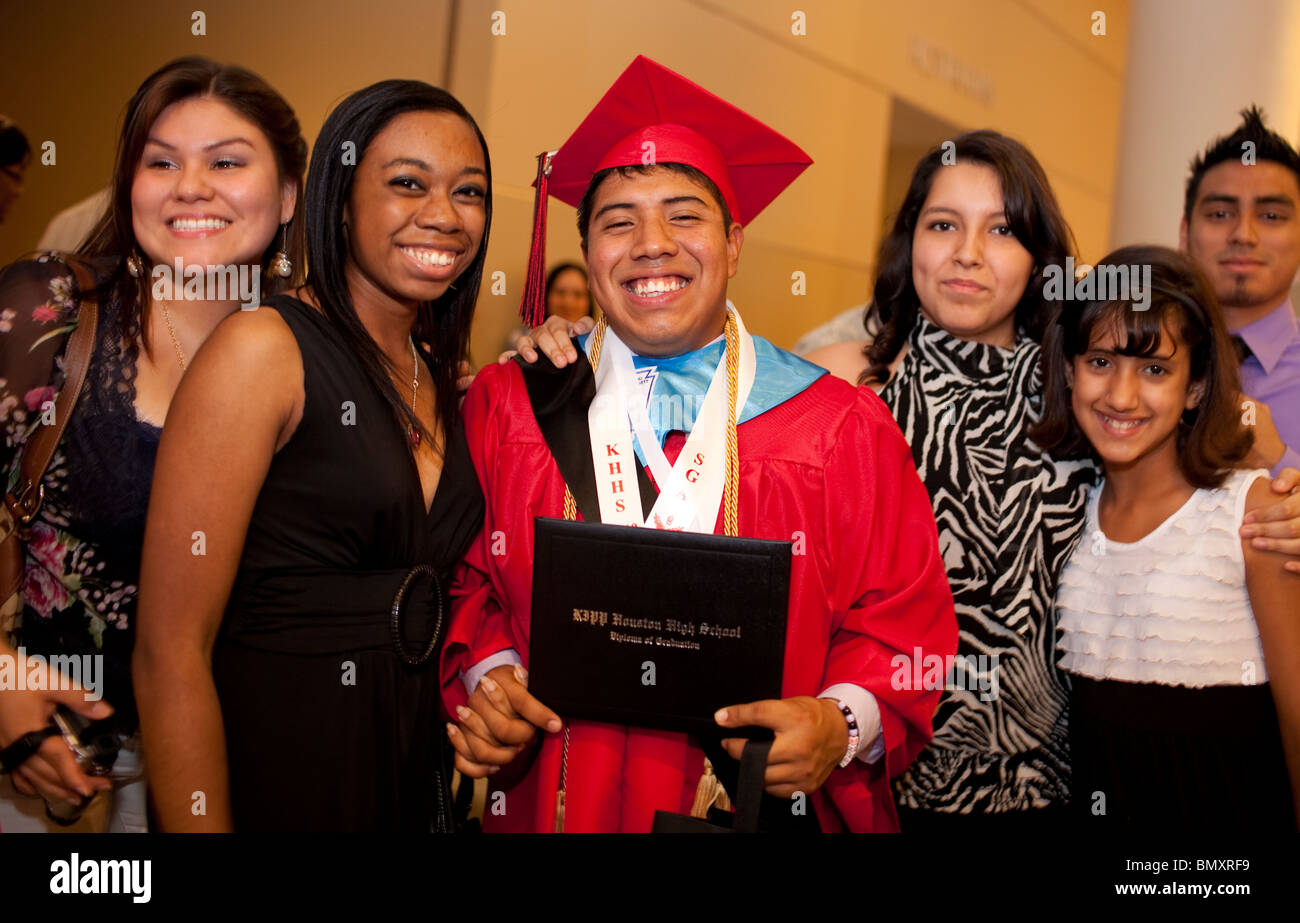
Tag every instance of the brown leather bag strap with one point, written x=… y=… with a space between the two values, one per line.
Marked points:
x=39 y=450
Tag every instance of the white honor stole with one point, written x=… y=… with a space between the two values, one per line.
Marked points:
x=690 y=492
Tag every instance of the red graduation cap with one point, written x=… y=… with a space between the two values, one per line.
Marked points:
x=649 y=104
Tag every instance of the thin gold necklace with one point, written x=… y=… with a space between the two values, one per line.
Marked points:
x=180 y=356
x=412 y=433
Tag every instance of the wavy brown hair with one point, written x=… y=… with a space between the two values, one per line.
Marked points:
x=112 y=239
x=1211 y=440
x=1032 y=215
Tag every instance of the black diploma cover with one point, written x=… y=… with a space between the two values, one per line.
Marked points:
x=655 y=629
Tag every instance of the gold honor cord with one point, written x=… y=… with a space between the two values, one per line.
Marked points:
x=730 y=519
x=709 y=791
x=731 y=489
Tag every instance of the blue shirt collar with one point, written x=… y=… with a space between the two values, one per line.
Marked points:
x=680 y=382
x=1269 y=336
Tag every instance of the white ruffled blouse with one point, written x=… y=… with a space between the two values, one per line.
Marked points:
x=1171 y=608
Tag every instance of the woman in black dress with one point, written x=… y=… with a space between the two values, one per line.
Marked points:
x=312 y=491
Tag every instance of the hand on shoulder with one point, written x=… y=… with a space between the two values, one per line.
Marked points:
x=1271 y=524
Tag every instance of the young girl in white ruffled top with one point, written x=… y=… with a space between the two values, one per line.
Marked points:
x=1182 y=641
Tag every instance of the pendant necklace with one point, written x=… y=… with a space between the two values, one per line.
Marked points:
x=413 y=434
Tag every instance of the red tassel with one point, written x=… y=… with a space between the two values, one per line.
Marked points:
x=533 y=307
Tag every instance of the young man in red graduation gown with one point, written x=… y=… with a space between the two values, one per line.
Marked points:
x=820 y=464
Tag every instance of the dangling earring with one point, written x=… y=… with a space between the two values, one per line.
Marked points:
x=280 y=264
x=134 y=266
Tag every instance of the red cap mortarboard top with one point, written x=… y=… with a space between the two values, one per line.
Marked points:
x=749 y=162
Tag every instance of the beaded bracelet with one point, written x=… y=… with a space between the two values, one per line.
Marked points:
x=855 y=739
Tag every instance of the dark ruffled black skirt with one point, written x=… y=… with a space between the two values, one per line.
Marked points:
x=1173 y=758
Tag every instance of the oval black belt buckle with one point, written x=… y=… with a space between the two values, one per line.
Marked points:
x=396 y=623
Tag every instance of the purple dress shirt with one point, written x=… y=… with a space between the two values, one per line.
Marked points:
x=1272 y=374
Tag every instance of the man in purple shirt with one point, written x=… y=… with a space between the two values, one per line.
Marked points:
x=1241 y=224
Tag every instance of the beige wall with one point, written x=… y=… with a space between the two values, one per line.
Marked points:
x=1032 y=69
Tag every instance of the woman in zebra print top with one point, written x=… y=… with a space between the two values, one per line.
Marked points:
x=957 y=317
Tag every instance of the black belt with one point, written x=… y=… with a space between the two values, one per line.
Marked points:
x=321 y=611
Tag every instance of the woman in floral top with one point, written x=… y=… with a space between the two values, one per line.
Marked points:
x=208 y=170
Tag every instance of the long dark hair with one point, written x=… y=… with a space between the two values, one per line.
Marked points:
x=1032 y=215
x=112 y=239
x=1210 y=439
x=442 y=326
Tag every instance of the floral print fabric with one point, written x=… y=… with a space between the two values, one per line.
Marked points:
x=83 y=553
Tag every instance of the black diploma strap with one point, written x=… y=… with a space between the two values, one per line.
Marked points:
x=749 y=787
x=777 y=814
x=560 y=398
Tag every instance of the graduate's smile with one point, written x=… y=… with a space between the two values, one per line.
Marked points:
x=656 y=289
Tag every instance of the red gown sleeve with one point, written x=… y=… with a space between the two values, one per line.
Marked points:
x=890 y=584
x=479 y=626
